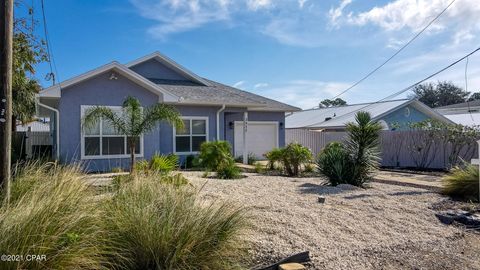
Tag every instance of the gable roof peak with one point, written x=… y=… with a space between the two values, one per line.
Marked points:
x=156 y=55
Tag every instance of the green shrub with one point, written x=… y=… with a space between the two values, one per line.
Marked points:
x=273 y=157
x=294 y=155
x=53 y=212
x=214 y=155
x=259 y=168
x=142 y=166
x=229 y=171
x=334 y=163
x=162 y=227
x=462 y=183
x=355 y=161
x=176 y=180
x=164 y=163
x=190 y=162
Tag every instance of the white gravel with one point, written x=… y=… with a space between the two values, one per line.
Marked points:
x=381 y=227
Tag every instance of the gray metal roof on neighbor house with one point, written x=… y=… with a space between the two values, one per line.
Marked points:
x=473 y=103
x=338 y=117
x=217 y=93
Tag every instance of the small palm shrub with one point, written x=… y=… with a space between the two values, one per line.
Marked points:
x=294 y=155
x=164 y=227
x=354 y=161
x=462 y=183
x=273 y=157
x=229 y=171
x=216 y=156
x=164 y=163
x=53 y=212
x=309 y=168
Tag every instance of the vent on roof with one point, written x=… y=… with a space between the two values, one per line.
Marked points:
x=328 y=118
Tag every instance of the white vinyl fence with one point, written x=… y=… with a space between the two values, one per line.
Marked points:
x=406 y=149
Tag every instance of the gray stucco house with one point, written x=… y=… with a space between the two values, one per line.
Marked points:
x=211 y=111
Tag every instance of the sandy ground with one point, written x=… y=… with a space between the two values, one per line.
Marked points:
x=382 y=227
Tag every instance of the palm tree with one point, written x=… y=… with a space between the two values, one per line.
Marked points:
x=133 y=121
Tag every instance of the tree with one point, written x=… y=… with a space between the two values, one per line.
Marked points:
x=440 y=94
x=28 y=51
x=133 y=121
x=332 y=103
x=474 y=96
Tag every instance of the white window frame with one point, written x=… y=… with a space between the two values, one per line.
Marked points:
x=190 y=135
x=83 y=109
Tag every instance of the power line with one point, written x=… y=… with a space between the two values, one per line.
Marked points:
x=396 y=53
x=413 y=85
x=51 y=59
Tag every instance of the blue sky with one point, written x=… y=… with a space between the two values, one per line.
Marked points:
x=296 y=51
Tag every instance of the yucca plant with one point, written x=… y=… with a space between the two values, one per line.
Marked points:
x=163 y=226
x=462 y=182
x=133 y=121
x=274 y=156
x=363 y=147
x=53 y=212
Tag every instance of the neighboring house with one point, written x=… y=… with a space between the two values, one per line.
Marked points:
x=211 y=111
x=392 y=115
x=33 y=139
x=466 y=113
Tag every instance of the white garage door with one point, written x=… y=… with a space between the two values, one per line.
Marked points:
x=261 y=137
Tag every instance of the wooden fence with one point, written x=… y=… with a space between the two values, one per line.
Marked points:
x=405 y=149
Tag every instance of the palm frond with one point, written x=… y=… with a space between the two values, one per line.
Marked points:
x=132 y=111
x=160 y=112
x=94 y=114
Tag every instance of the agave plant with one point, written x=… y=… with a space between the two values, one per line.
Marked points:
x=133 y=121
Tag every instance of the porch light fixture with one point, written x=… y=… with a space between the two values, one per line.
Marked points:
x=113 y=76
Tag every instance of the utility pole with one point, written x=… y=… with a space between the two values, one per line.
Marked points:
x=6 y=55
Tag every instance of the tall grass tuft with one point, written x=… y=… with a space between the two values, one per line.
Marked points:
x=462 y=183
x=53 y=212
x=162 y=226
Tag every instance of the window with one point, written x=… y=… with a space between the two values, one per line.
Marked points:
x=103 y=141
x=192 y=136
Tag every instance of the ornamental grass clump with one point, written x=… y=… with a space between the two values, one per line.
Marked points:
x=53 y=212
x=462 y=182
x=163 y=226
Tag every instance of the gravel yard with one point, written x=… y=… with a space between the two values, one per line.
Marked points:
x=382 y=227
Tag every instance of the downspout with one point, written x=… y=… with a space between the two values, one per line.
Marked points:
x=57 y=127
x=218 y=121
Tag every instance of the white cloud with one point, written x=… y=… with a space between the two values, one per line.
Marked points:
x=239 y=84
x=260 y=85
x=413 y=15
x=301 y=3
x=335 y=13
x=175 y=16
x=258 y=4
x=303 y=93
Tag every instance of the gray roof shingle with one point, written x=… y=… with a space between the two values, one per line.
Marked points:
x=220 y=94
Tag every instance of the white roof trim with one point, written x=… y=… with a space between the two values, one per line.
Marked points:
x=54 y=91
x=431 y=112
x=170 y=63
